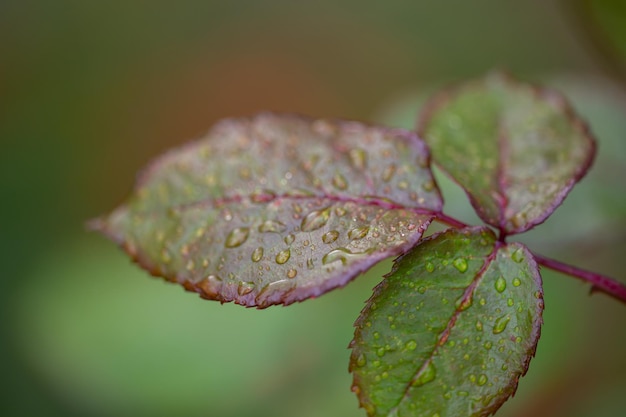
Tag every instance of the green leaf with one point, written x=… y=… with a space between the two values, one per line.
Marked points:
x=277 y=208
x=450 y=330
x=517 y=150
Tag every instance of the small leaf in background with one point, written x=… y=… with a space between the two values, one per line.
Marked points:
x=517 y=150
x=277 y=208
x=450 y=330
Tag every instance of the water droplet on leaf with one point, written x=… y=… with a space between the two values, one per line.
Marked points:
x=339 y=182
x=245 y=288
x=283 y=256
x=426 y=375
x=257 y=254
x=330 y=237
x=460 y=264
x=500 y=324
x=358 y=233
x=272 y=226
x=315 y=220
x=237 y=237
x=500 y=284
x=518 y=255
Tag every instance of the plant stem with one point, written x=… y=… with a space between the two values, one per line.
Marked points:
x=450 y=221
x=599 y=282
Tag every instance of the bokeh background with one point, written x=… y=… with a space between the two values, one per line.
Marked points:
x=90 y=91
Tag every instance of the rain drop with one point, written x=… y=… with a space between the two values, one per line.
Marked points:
x=211 y=286
x=237 y=237
x=358 y=233
x=315 y=220
x=389 y=172
x=283 y=256
x=460 y=264
x=257 y=254
x=292 y=273
x=482 y=379
x=517 y=282
x=339 y=182
x=500 y=284
x=358 y=158
x=428 y=185
x=518 y=255
x=339 y=254
x=463 y=303
x=411 y=345
x=426 y=375
x=330 y=237
x=245 y=288
x=361 y=360
x=289 y=239
x=500 y=324
x=430 y=267
x=272 y=226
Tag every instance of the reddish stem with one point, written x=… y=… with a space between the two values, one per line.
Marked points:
x=450 y=221
x=599 y=282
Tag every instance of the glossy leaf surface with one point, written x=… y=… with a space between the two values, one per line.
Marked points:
x=450 y=330
x=516 y=150
x=277 y=208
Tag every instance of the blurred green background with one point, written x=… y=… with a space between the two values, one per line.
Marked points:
x=91 y=91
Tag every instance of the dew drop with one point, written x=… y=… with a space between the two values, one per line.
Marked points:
x=460 y=264
x=237 y=237
x=421 y=290
x=245 y=287
x=361 y=360
x=479 y=325
x=411 y=345
x=257 y=254
x=339 y=182
x=500 y=324
x=517 y=282
x=190 y=265
x=340 y=254
x=430 y=267
x=380 y=352
x=425 y=376
x=358 y=233
x=166 y=258
x=272 y=226
x=428 y=185
x=315 y=220
x=289 y=239
x=330 y=237
x=482 y=379
x=510 y=302
x=463 y=303
x=500 y=284
x=292 y=273
x=211 y=286
x=358 y=158
x=389 y=172
x=309 y=263
x=518 y=255
x=488 y=345
x=283 y=256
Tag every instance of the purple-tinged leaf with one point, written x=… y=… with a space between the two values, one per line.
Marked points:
x=277 y=208
x=517 y=150
x=450 y=330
